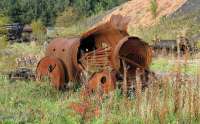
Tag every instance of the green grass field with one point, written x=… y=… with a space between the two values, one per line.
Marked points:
x=169 y=99
x=165 y=101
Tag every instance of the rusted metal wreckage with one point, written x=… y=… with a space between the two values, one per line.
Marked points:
x=97 y=56
x=171 y=46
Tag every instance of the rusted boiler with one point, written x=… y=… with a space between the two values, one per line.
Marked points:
x=97 y=55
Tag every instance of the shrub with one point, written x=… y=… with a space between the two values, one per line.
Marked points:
x=67 y=18
x=39 y=30
x=3 y=38
x=154 y=7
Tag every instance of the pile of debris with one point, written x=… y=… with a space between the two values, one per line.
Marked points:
x=182 y=44
x=17 y=32
x=21 y=73
x=24 y=69
x=27 y=61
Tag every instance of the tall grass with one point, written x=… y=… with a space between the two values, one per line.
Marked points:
x=169 y=99
x=154 y=8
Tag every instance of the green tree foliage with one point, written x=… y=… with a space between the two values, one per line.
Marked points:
x=67 y=18
x=4 y=20
x=82 y=9
x=25 y=11
x=90 y=7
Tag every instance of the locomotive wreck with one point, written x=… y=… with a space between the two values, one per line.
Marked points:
x=96 y=56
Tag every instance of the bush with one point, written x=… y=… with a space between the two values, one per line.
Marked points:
x=39 y=30
x=3 y=42
x=4 y=20
x=3 y=38
x=154 y=7
x=67 y=18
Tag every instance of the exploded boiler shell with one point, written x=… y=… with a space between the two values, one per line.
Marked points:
x=66 y=49
x=103 y=46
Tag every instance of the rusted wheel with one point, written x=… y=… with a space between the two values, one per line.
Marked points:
x=103 y=81
x=53 y=68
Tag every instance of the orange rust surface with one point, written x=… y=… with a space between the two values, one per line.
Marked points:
x=56 y=73
x=66 y=49
x=110 y=32
x=134 y=49
x=103 y=81
x=113 y=35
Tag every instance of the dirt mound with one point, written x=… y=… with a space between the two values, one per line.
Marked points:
x=140 y=11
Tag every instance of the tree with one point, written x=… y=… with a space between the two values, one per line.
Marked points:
x=25 y=11
x=67 y=17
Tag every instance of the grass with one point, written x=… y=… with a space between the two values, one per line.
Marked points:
x=165 y=101
x=162 y=64
x=26 y=102
x=9 y=54
x=169 y=99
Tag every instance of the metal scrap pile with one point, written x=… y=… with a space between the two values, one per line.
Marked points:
x=183 y=44
x=99 y=58
x=17 y=32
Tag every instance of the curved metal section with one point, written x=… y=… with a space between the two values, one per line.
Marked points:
x=98 y=43
x=134 y=51
x=105 y=35
x=66 y=49
x=52 y=67
x=102 y=81
x=117 y=23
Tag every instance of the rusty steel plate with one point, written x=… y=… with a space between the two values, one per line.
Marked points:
x=133 y=51
x=66 y=49
x=102 y=81
x=52 y=67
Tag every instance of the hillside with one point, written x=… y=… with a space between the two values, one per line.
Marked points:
x=178 y=16
x=140 y=13
x=189 y=7
x=174 y=17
